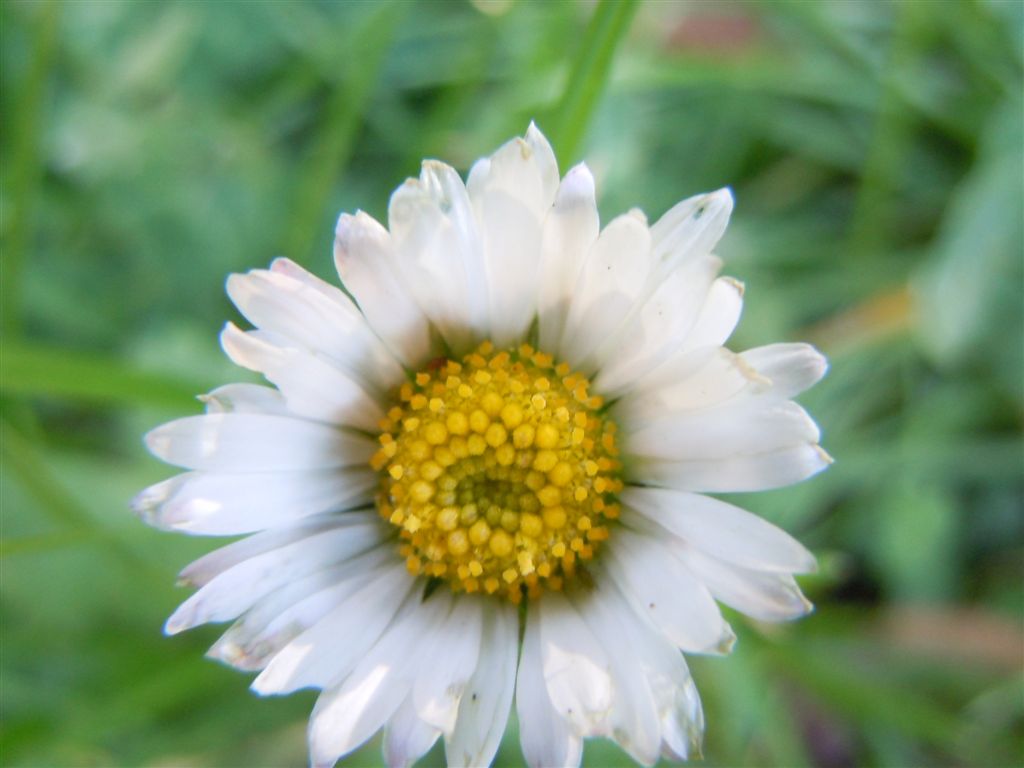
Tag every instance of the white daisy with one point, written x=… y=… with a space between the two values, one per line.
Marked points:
x=512 y=423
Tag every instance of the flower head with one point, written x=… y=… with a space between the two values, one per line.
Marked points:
x=511 y=417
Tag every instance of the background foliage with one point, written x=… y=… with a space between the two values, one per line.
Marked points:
x=875 y=150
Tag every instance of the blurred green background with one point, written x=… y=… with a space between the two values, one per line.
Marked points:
x=875 y=150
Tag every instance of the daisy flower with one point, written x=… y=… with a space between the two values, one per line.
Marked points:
x=479 y=474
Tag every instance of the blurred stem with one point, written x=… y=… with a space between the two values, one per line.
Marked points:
x=44 y=542
x=364 y=54
x=35 y=370
x=27 y=464
x=871 y=702
x=22 y=177
x=887 y=153
x=816 y=17
x=589 y=75
x=24 y=462
x=878 y=317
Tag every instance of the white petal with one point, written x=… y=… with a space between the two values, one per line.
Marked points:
x=762 y=595
x=756 y=472
x=449 y=665
x=288 y=268
x=676 y=369
x=693 y=336
x=407 y=738
x=745 y=428
x=719 y=315
x=243 y=442
x=668 y=678
x=346 y=716
x=445 y=187
x=569 y=231
x=283 y=615
x=547 y=739
x=510 y=236
x=312 y=386
x=546 y=164
x=688 y=381
x=199 y=572
x=613 y=279
x=690 y=229
x=239 y=587
x=245 y=398
x=791 y=368
x=484 y=709
x=438 y=253
x=633 y=721
x=524 y=168
x=217 y=504
x=319 y=319
x=667 y=592
x=576 y=669
x=363 y=348
x=720 y=529
x=365 y=259
x=511 y=193
x=682 y=717
x=661 y=325
x=331 y=648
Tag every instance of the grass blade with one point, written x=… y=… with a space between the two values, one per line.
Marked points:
x=589 y=74
x=33 y=370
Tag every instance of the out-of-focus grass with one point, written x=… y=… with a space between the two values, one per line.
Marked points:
x=875 y=150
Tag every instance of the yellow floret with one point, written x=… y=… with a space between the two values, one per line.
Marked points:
x=498 y=472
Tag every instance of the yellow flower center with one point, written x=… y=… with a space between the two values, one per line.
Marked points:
x=500 y=471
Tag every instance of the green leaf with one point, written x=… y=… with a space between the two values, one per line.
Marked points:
x=916 y=530
x=361 y=58
x=973 y=283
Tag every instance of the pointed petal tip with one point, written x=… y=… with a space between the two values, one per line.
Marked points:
x=581 y=171
x=283 y=265
x=143 y=501
x=824 y=456
x=808 y=606
x=577 y=187
x=174 y=625
x=723 y=198
x=234 y=283
x=432 y=167
x=156 y=441
x=738 y=285
x=697 y=748
x=259 y=687
x=638 y=215
x=343 y=224
x=726 y=643
x=535 y=136
x=232 y=340
x=226 y=652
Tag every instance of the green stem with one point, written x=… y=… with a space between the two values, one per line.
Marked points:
x=589 y=75
x=27 y=464
x=25 y=169
x=33 y=370
x=332 y=148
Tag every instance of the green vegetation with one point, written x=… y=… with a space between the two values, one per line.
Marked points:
x=876 y=151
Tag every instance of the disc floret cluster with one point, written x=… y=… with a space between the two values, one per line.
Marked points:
x=500 y=470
